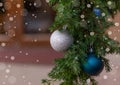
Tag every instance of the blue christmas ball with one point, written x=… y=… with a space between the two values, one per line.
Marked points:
x=93 y=65
x=97 y=11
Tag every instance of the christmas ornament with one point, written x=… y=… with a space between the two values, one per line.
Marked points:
x=61 y=40
x=97 y=11
x=93 y=65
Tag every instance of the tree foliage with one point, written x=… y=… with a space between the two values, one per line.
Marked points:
x=78 y=18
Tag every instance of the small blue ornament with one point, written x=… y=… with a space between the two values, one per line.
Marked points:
x=93 y=65
x=97 y=11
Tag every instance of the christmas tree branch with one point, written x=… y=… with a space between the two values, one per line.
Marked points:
x=87 y=21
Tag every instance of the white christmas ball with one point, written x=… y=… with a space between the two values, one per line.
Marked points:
x=61 y=40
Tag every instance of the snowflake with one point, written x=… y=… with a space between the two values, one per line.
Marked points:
x=117 y=24
x=7 y=70
x=109 y=32
x=12 y=58
x=105 y=77
x=3 y=44
x=1 y=4
x=92 y=33
x=11 y=18
x=18 y=5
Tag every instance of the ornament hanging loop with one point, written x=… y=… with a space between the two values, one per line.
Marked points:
x=91 y=48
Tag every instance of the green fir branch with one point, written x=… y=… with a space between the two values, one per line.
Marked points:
x=68 y=70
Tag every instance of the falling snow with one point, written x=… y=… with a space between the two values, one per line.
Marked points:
x=26 y=54
x=105 y=77
x=11 y=18
x=7 y=70
x=107 y=49
x=37 y=3
x=47 y=1
x=12 y=58
x=1 y=4
x=18 y=5
x=117 y=24
x=109 y=32
x=20 y=51
x=3 y=44
x=12 y=73
x=92 y=33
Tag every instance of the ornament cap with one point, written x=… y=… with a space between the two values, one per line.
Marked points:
x=97 y=11
x=91 y=48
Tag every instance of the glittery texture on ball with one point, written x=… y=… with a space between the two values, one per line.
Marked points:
x=61 y=40
x=93 y=65
x=97 y=11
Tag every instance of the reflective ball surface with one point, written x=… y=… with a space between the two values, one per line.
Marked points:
x=93 y=65
x=61 y=40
